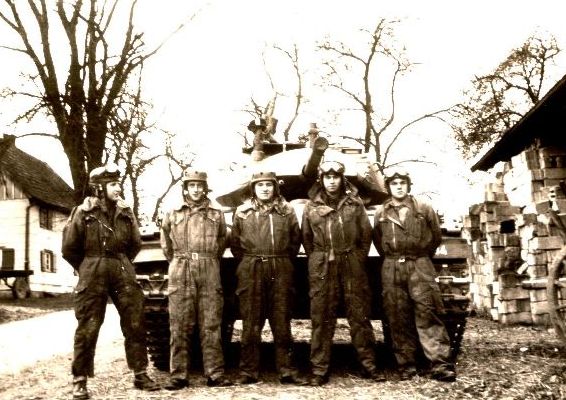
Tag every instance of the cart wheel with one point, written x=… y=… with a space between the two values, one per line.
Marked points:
x=556 y=293
x=20 y=288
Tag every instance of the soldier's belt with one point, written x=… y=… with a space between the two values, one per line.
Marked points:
x=266 y=257
x=402 y=258
x=194 y=256
x=105 y=254
x=336 y=251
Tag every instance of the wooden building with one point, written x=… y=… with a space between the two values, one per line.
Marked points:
x=512 y=239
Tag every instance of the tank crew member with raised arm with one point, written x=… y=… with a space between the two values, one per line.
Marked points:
x=406 y=233
x=265 y=236
x=100 y=240
x=193 y=239
x=337 y=238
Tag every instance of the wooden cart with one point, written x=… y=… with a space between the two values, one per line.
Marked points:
x=18 y=281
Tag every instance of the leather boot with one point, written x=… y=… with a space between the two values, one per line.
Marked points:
x=142 y=381
x=80 y=391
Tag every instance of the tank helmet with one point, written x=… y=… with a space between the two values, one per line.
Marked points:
x=193 y=175
x=100 y=176
x=400 y=174
x=104 y=174
x=264 y=176
x=326 y=167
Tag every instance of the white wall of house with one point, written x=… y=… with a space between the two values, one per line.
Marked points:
x=13 y=208
x=63 y=279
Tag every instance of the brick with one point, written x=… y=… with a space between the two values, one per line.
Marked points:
x=494 y=188
x=545 y=243
x=494 y=239
x=537 y=295
x=513 y=293
x=507 y=306
x=507 y=210
x=537 y=271
x=554 y=173
x=510 y=239
x=516 y=318
x=524 y=219
x=487 y=217
x=494 y=314
x=509 y=280
x=538 y=258
x=539 y=307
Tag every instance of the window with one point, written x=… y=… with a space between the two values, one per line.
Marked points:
x=8 y=256
x=45 y=218
x=47 y=261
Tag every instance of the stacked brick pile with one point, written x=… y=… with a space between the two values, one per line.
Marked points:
x=512 y=241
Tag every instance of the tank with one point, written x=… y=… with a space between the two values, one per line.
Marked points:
x=296 y=166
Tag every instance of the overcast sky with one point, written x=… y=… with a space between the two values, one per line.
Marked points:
x=206 y=73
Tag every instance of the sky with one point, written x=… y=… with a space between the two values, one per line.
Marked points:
x=206 y=73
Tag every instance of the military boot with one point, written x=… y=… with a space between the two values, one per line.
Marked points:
x=80 y=391
x=142 y=381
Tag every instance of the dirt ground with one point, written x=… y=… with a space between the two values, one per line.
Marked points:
x=496 y=362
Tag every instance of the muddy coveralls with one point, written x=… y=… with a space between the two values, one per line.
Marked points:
x=337 y=241
x=265 y=240
x=100 y=247
x=411 y=297
x=193 y=239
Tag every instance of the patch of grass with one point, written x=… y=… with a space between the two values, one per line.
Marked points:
x=47 y=302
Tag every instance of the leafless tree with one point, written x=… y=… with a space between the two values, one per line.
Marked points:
x=80 y=82
x=496 y=101
x=256 y=110
x=356 y=74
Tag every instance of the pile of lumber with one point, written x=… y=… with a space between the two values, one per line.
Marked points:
x=513 y=240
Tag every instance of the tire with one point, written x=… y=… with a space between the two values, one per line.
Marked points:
x=555 y=290
x=20 y=288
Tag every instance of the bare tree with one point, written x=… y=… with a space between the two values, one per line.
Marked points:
x=343 y=63
x=256 y=110
x=96 y=70
x=496 y=101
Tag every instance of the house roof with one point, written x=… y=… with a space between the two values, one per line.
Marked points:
x=544 y=121
x=35 y=177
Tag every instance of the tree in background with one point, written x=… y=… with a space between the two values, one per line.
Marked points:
x=498 y=100
x=81 y=79
x=256 y=110
x=357 y=74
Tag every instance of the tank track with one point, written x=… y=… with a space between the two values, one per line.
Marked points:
x=455 y=322
x=158 y=334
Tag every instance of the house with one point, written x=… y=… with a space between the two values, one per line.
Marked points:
x=513 y=239
x=34 y=205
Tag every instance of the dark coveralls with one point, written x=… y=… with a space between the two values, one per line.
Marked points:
x=100 y=247
x=411 y=297
x=265 y=240
x=193 y=239
x=337 y=241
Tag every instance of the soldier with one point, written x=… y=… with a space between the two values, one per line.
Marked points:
x=337 y=238
x=407 y=233
x=265 y=236
x=193 y=238
x=100 y=240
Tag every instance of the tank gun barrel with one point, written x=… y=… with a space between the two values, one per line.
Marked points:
x=310 y=169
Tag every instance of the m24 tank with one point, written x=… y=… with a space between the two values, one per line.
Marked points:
x=296 y=166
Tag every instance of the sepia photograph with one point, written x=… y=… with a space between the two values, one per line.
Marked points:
x=214 y=199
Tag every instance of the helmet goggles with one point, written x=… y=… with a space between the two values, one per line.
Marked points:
x=104 y=174
x=397 y=174
x=327 y=167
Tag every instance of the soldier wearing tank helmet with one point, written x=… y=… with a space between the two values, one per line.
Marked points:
x=337 y=238
x=193 y=238
x=265 y=237
x=100 y=240
x=406 y=233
